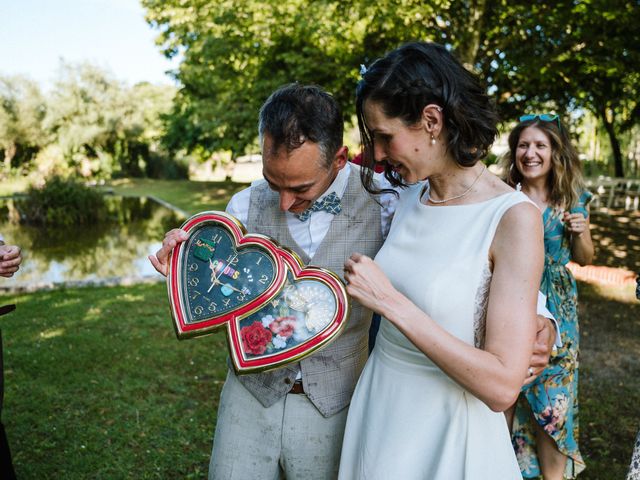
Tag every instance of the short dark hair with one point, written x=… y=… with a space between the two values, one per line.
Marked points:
x=415 y=75
x=296 y=113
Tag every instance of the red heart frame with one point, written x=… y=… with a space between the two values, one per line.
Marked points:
x=243 y=364
x=284 y=260
x=241 y=238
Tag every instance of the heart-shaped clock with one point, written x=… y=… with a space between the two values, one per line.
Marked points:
x=276 y=310
x=308 y=313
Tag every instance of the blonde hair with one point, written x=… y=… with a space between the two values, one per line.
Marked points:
x=565 y=181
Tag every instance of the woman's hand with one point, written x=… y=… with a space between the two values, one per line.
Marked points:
x=575 y=223
x=581 y=244
x=10 y=259
x=161 y=259
x=367 y=283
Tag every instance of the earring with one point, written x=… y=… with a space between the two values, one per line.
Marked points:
x=433 y=140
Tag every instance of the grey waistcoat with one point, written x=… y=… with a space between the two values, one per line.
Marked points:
x=329 y=376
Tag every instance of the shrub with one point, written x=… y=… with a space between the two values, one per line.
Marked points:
x=61 y=203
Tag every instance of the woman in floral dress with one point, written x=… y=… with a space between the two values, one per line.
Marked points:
x=544 y=163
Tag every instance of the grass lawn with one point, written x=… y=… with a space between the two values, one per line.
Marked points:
x=191 y=197
x=609 y=385
x=97 y=385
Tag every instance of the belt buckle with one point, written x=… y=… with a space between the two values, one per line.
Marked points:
x=297 y=388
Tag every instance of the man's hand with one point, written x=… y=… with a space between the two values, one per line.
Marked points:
x=160 y=260
x=545 y=338
x=10 y=259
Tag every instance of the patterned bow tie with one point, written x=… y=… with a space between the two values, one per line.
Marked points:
x=330 y=203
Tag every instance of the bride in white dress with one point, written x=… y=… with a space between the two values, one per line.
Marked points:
x=456 y=281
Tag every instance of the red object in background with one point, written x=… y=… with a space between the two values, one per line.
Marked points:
x=379 y=167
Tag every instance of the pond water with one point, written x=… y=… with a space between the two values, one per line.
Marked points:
x=111 y=252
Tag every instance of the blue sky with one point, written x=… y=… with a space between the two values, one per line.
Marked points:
x=112 y=34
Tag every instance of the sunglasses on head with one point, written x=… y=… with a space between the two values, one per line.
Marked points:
x=545 y=117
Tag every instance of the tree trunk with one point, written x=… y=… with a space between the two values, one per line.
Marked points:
x=615 y=145
x=468 y=49
x=229 y=167
x=9 y=152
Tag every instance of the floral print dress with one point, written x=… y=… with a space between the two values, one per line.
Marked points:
x=552 y=399
x=634 y=468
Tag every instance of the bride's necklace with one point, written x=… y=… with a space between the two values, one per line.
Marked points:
x=463 y=194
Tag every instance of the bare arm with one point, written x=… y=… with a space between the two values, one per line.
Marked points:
x=496 y=373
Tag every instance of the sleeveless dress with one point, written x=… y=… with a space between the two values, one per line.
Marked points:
x=408 y=419
x=553 y=396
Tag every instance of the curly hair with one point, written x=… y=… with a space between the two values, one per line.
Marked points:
x=413 y=76
x=565 y=181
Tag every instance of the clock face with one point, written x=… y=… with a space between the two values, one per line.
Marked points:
x=303 y=308
x=314 y=300
x=218 y=277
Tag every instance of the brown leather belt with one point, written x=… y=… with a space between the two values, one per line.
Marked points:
x=297 y=387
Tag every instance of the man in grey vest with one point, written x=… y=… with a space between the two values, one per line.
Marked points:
x=290 y=422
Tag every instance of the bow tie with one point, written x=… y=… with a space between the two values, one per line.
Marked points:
x=330 y=203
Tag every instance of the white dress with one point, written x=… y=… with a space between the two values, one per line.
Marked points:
x=408 y=419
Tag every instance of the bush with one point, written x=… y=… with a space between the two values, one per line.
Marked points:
x=62 y=203
x=162 y=166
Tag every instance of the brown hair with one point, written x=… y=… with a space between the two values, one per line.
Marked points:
x=565 y=182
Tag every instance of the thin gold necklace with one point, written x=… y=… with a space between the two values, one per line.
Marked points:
x=466 y=192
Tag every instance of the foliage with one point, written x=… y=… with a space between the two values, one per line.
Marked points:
x=564 y=56
x=90 y=125
x=567 y=56
x=22 y=110
x=236 y=53
x=61 y=202
x=103 y=127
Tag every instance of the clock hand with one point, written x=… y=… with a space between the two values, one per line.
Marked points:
x=214 y=277
x=228 y=285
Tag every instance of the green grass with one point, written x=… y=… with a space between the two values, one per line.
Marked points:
x=609 y=385
x=192 y=197
x=97 y=386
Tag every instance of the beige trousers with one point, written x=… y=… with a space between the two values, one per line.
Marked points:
x=290 y=439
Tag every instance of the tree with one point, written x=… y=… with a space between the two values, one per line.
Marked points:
x=103 y=126
x=236 y=53
x=22 y=109
x=561 y=55
x=569 y=56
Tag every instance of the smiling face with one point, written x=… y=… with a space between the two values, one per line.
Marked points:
x=301 y=175
x=402 y=147
x=533 y=154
